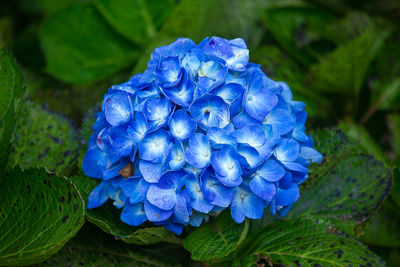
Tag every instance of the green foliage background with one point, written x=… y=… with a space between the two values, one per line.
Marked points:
x=342 y=58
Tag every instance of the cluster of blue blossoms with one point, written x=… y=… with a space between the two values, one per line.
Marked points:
x=201 y=130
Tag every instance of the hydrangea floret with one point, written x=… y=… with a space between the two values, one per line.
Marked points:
x=200 y=131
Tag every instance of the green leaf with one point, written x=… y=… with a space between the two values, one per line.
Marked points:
x=197 y=19
x=44 y=139
x=393 y=121
x=146 y=16
x=348 y=186
x=305 y=243
x=93 y=248
x=396 y=187
x=107 y=218
x=80 y=47
x=11 y=91
x=39 y=213
x=216 y=239
x=383 y=228
x=343 y=70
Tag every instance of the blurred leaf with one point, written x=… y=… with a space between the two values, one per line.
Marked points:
x=343 y=71
x=44 y=139
x=49 y=7
x=6 y=32
x=93 y=248
x=359 y=133
x=305 y=243
x=295 y=28
x=83 y=50
x=142 y=21
x=396 y=187
x=383 y=228
x=11 y=91
x=197 y=19
x=39 y=213
x=393 y=121
x=107 y=218
x=216 y=239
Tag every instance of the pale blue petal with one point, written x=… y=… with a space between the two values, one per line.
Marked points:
x=117 y=109
x=133 y=215
x=150 y=171
x=287 y=150
x=164 y=199
x=181 y=125
x=271 y=171
x=155 y=214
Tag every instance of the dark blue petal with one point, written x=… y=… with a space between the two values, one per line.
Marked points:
x=130 y=187
x=210 y=111
x=286 y=197
x=133 y=215
x=120 y=140
x=215 y=192
x=117 y=109
x=182 y=94
x=181 y=125
x=197 y=198
x=172 y=180
x=246 y=204
x=155 y=214
x=243 y=119
x=98 y=196
x=262 y=188
x=93 y=158
x=286 y=181
x=271 y=171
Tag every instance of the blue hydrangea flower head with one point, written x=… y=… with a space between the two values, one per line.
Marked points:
x=200 y=131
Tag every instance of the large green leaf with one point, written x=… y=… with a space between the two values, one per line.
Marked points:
x=80 y=47
x=305 y=243
x=343 y=70
x=393 y=121
x=197 y=19
x=142 y=21
x=216 y=239
x=383 y=228
x=107 y=217
x=44 y=139
x=11 y=91
x=348 y=186
x=93 y=248
x=39 y=213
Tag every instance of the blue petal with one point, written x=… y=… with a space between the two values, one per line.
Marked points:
x=150 y=171
x=286 y=197
x=258 y=101
x=198 y=153
x=262 y=188
x=294 y=166
x=219 y=137
x=155 y=214
x=271 y=134
x=130 y=187
x=252 y=135
x=210 y=111
x=191 y=63
x=98 y=196
x=133 y=215
x=310 y=153
x=93 y=158
x=229 y=92
x=286 y=92
x=169 y=72
x=215 y=192
x=287 y=150
x=243 y=119
x=281 y=120
x=271 y=171
x=113 y=170
x=182 y=94
x=137 y=128
x=181 y=125
x=250 y=154
x=196 y=219
x=246 y=204
x=173 y=227
x=284 y=211
x=120 y=141
x=240 y=56
x=164 y=199
x=227 y=167
x=172 y=180
x=117 y=109
x=198 y=201
x=155 y=146
x=176 y=157
x=157 y=112
x=286 y=181
x=181 y=212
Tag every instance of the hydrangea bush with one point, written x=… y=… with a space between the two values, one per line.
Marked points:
x=200 y=131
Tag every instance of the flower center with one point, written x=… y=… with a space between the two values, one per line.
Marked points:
x=250 y=98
